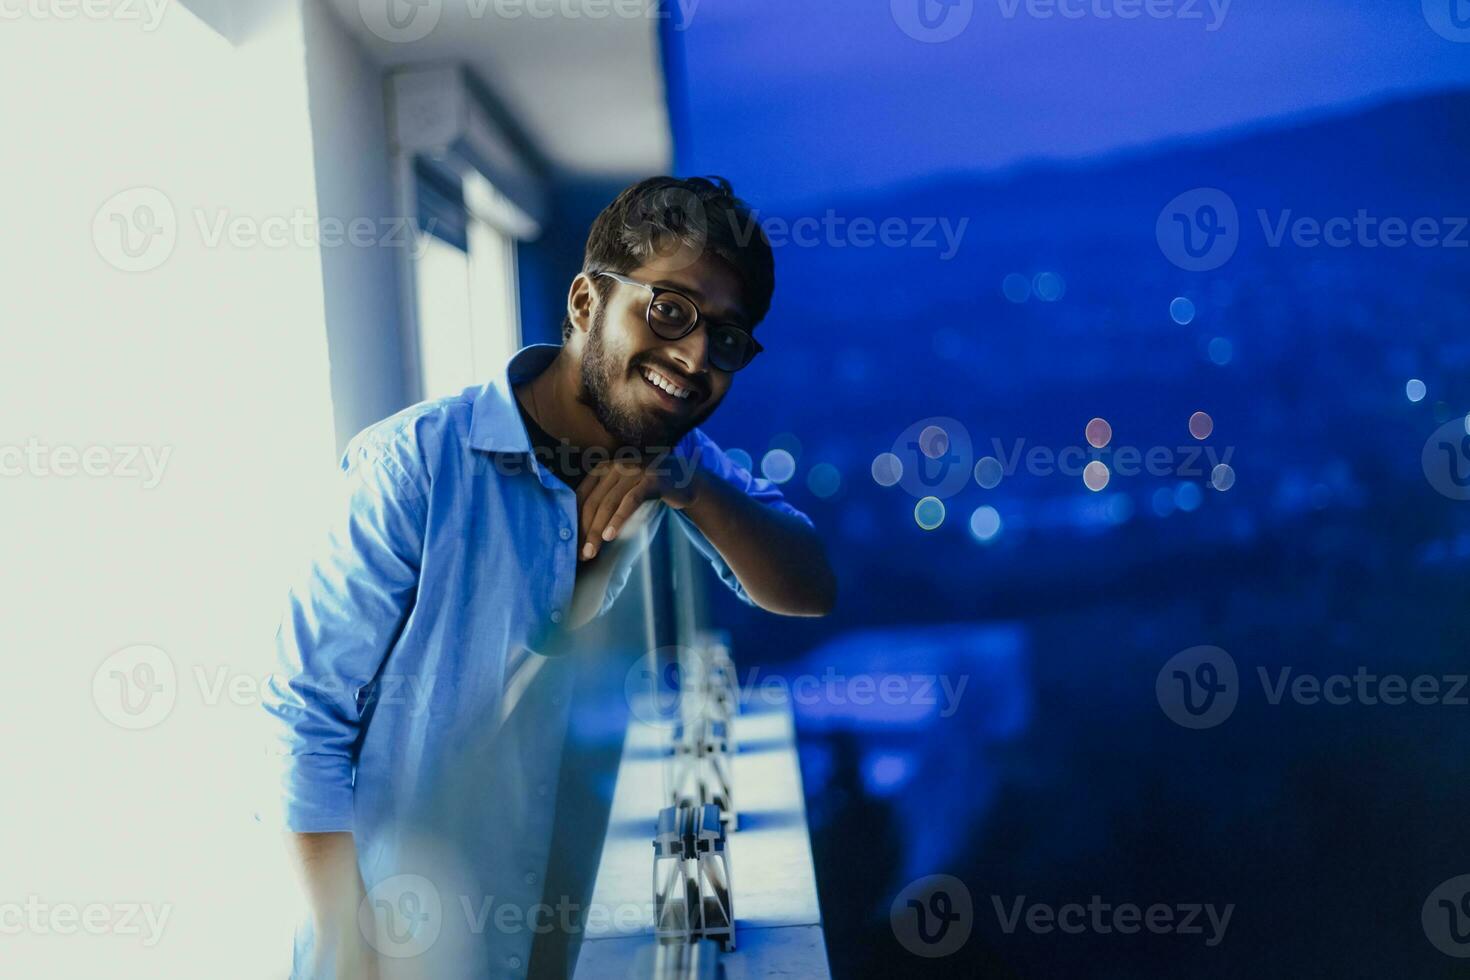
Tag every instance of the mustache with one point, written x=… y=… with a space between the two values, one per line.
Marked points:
x=699 y=387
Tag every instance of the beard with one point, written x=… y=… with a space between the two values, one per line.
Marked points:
x=631 y=424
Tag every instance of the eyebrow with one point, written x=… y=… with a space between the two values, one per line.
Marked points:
x=735 y=318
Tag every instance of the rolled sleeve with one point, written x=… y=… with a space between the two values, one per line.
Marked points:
x=341 y=619
x=720 y=465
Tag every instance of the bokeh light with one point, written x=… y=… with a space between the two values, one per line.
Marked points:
x=1095 y=475
x=1222 y=477
x=887 y=469
x=1201 y=425
x=778 y=466
x=1099 y=433
x=1120 y=508
x=1016 y=287
x=742 y=459
x=823 y=480
x=1221 y=351
x=1163 y=501
x=933 y=441
x=1049 y=286
x=929 y=513
x=989 y=472
x=1187 y=497
x=1182 y=310
x=1416 y=390
x=789 y=442
x=985 y=524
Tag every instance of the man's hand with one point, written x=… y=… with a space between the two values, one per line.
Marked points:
x=614 y=489
x=327 y=867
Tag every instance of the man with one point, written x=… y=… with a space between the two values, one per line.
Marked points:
x=460 y=549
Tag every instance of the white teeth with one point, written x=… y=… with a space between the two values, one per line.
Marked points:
x=665 y=384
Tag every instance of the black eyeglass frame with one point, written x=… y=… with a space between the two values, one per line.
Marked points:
x=653 y=294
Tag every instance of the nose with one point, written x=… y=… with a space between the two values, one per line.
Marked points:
x=691 y=352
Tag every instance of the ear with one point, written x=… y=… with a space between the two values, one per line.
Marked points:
x=580 y=300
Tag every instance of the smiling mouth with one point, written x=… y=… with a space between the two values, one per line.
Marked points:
x=673 y=393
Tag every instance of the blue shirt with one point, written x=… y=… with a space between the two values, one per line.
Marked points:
x=451 y=561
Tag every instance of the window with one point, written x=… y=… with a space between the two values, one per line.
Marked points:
x=467 y=314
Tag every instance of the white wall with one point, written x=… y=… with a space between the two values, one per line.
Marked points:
x=213 y=356
x=350 y=142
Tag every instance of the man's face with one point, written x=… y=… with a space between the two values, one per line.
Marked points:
x=619 y=351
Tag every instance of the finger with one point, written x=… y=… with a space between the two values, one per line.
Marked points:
x=587 y=515
x=607 y=506
x=600 y=485
x=624 y=513
x=590 y=481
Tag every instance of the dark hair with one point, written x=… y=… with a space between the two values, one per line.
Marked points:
x=660 y=215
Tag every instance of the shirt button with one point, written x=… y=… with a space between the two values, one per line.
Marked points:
x=556 y=615
x=566 y=534
x=530 y=877
x=514 y=962
x=542 y=789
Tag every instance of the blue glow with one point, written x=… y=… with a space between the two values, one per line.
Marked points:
x=985 y=524
x=742 y=459
x=1222 y=351
x=887 y=469
x=1163 y=501
x=1120 y=508
x=1016 y=287
x=1049 y=286
x=778 y=466
x=989 y=472
x=1182 y=310
x=824 y=480
x=886 y=772
x=1187 y=496
x=929 y=513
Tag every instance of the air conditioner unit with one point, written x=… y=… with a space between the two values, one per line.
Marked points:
x=441 y=114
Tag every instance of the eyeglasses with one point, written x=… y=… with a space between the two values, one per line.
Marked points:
x=671 y=316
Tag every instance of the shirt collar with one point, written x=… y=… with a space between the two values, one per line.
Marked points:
x=495 y=423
